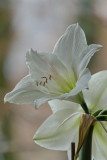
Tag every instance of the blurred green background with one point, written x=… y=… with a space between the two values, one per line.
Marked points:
x=38 y=24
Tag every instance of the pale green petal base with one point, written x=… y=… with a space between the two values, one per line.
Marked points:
x=100 y=142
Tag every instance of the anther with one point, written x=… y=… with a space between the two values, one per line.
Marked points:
x=40 y=83
x=45 y=79
x=37 y=83
x=44 y=84
x=50 y=77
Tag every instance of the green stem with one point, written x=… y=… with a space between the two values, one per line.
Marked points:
x=85 y=108
x=85 y=153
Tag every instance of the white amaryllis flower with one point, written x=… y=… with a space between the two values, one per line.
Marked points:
x=62 y=127
x=61 y=74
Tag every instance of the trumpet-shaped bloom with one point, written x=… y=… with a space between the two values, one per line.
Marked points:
x=62 y=127
x=61 y=74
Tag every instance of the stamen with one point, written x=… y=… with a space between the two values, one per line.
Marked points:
x=45 y=79
x=37 y=83
x=50 y=77
x=44 y=83
x=40 y=83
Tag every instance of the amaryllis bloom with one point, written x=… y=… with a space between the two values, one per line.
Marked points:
x=62 y=127
x=61 y=74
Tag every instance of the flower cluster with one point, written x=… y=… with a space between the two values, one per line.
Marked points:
x=63 y=79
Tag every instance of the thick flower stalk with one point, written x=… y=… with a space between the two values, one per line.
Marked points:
x=62 y=127
x=62 y=74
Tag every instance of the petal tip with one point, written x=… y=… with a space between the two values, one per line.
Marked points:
x=6 y=98
x=37 y=105
x=100 y=46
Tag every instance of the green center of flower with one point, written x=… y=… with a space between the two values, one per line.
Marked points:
x=56 y=83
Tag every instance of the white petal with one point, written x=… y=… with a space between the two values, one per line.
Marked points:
x=44 y=64
x=85 y=56
x=99 y=147
x=57 y=105
x=25 y=92
x=67 y=97
x=73 y=50
x=71 y=43
x=56 y=66
x=44 y=99
x=96 y=95
x=81 y=84
x=59 y=130
x=37 y=64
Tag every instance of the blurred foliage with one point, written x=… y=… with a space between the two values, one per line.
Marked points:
x=8 y=156
x=88 y=20
x=5 y=36
x=5 y=40
x=90 y=26
x=1 y=157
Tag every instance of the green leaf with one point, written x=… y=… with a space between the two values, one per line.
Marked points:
x=97 y=113
x=102 y=118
